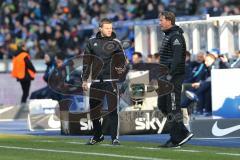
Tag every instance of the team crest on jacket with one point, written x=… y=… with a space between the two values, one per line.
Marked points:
x=110 y=46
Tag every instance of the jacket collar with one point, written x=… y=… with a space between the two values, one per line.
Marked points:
x=99 y=36
x=173 y=28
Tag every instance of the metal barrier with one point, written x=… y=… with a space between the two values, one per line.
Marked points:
x=200 y=34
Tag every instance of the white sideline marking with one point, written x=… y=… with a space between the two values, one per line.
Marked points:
x=84 y=153
x=109 y=145
x=150 y=148
x=6 y=109
x=106 y=145
x=178 y=150
x=229 y=154
x=81 y=143
x=7 y=120
x=45 y=141
x=75 y=142
x=185 y=150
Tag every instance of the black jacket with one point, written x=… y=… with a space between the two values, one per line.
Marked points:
x=172 y=51
x=101 y=55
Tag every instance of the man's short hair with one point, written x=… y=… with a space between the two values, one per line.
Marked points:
x=156 y=55
x=188 y=53
x=211 y=56
x=105 y=21
x=60 y=55
x=139 y=54
x=149 y=56
x=169 y=16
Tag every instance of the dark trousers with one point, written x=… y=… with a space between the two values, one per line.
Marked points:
x=45 y=93
x=204 y=96
x=25 y=89
x=98 y=92
x=177 y=129
x=185 y=102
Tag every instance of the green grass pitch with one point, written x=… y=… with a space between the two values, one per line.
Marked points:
x=13 y=147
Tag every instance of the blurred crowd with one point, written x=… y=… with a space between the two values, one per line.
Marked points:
x=46 y=27
x=196 y=92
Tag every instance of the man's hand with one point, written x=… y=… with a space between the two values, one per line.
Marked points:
x=224 y=59
x=85 y=86
x=196 y=85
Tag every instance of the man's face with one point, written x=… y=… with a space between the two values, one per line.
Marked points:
x=59 y=62
x=237 y=54
x=136 y=59
x=149 y=60
x=209 y=61
x=47 y=58
x=164 y=23
x=187 y=58
x=200 y=57
x=106 y=30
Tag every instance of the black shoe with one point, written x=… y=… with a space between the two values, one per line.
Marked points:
x=170 y=144
x=187 y=138
x=115 y=142
x=95 y=140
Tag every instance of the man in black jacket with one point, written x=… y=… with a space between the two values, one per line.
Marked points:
x=172 y=54
x=104 y=58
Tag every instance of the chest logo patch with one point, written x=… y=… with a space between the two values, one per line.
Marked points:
x=176 y=42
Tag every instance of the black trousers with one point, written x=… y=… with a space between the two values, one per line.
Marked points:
x=25 y=84
x=204 y=95
x=170 y=106
x=98 y=92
